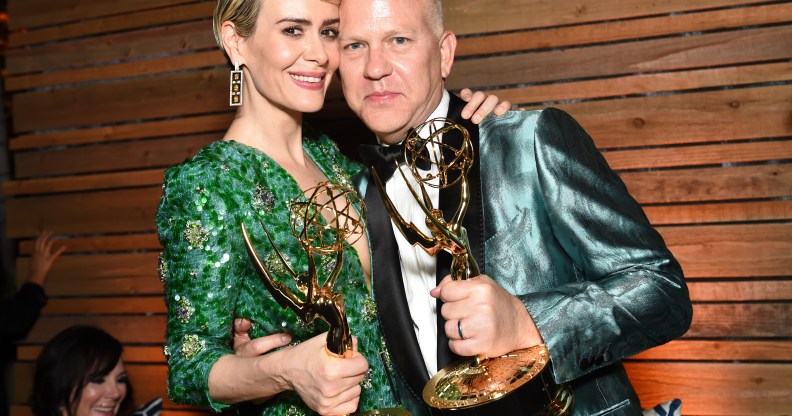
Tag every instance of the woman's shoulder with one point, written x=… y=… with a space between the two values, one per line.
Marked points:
x=323 y=145
x=205 y=165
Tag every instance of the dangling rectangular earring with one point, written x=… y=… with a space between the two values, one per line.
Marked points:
x=235 y=99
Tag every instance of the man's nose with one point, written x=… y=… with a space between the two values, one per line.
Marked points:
x=378 y=64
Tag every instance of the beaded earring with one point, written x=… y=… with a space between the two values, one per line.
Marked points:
x=235 y=98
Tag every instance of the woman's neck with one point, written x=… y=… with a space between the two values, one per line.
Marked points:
x=274 y=131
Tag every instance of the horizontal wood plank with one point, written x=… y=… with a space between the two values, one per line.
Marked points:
x=738 y=251
x=719 y=350
x=104 y=243
x=182 y=94
x=714 y=388
x=710 y=184
x=34 y=13
x=740 y=291
x=719 y=212
x=741 y=320
x=123 y=46
x=180 y=126
x=611 y=31
x=84 y=182
x=136 y=305
x=103 y=158
x=137 y=68
x=131 y=354
x=477 y=16
x=113 y=23
x=711 y=154
x=666 y=54
x=643 y=84
x=137 y=329
x=122 y=211
x=100 y=274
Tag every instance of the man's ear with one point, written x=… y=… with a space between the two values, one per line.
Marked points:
x=232 y=42
x=448 y=43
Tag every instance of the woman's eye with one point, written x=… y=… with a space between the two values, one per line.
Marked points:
x=97 y=380
x=330 y=32
x=293 y=31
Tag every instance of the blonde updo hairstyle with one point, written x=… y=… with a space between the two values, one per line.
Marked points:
x=243 y=14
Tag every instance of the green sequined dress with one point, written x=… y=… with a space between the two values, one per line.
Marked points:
x=209 y=279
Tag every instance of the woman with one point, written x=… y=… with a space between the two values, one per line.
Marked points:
x=288 y=52
x=80 y=373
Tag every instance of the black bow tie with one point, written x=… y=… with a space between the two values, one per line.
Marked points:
x=385 y=158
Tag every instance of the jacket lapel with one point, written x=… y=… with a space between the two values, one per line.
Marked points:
x=394 y=313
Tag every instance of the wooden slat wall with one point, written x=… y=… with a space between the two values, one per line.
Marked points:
x=691 y=101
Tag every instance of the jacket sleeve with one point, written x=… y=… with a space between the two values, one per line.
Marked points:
x=20 y=312
x=194 y=222
x=629 y=293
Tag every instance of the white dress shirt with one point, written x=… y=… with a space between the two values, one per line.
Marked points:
x=418 y=268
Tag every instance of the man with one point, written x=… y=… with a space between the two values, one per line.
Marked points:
x=567 y=256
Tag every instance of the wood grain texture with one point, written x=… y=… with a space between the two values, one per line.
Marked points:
x=112 y=23
x=167 y=96
x=34 y=13
x=715 y=388
x=103 y=243
x=122 y=211
x=136 y=130
x=741 y=320
x=611 y=31
x=719 y=212
x=106 y=49
x=644 y=84
x=719 y=350
x=665 y=54
x=102 y=158
x=477 y=16
x=731 y=251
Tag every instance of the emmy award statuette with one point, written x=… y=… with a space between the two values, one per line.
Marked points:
x=519 y=382
x=321 y=225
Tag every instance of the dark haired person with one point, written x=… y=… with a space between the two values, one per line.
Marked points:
x=80 y=373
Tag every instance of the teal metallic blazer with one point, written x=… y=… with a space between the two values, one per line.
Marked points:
x=555 y=226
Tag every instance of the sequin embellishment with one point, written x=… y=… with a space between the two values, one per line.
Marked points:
x=369 y=309
x=184 y=310
x=166 y=351
x=191 y=346
x=274 y=263
x=263 y=199
x=367 y=383
x=162 y=268
x=341 y=176
x=195 y=234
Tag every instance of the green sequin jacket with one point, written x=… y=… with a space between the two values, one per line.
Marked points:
x=209 y=279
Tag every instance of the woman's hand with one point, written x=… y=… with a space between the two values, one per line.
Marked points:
x=327 y=384
x=43 y=257
x=479 y=104
x=330 y=385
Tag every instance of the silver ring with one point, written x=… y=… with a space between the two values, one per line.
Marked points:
x=459 y=329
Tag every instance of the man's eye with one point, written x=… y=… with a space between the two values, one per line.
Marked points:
x=400 y=40
x=353 y=46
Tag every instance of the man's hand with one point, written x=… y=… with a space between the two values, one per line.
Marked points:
x=492 y=320
x=43 y=257
x=479 y=104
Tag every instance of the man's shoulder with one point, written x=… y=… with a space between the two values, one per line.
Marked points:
x=526 y=117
